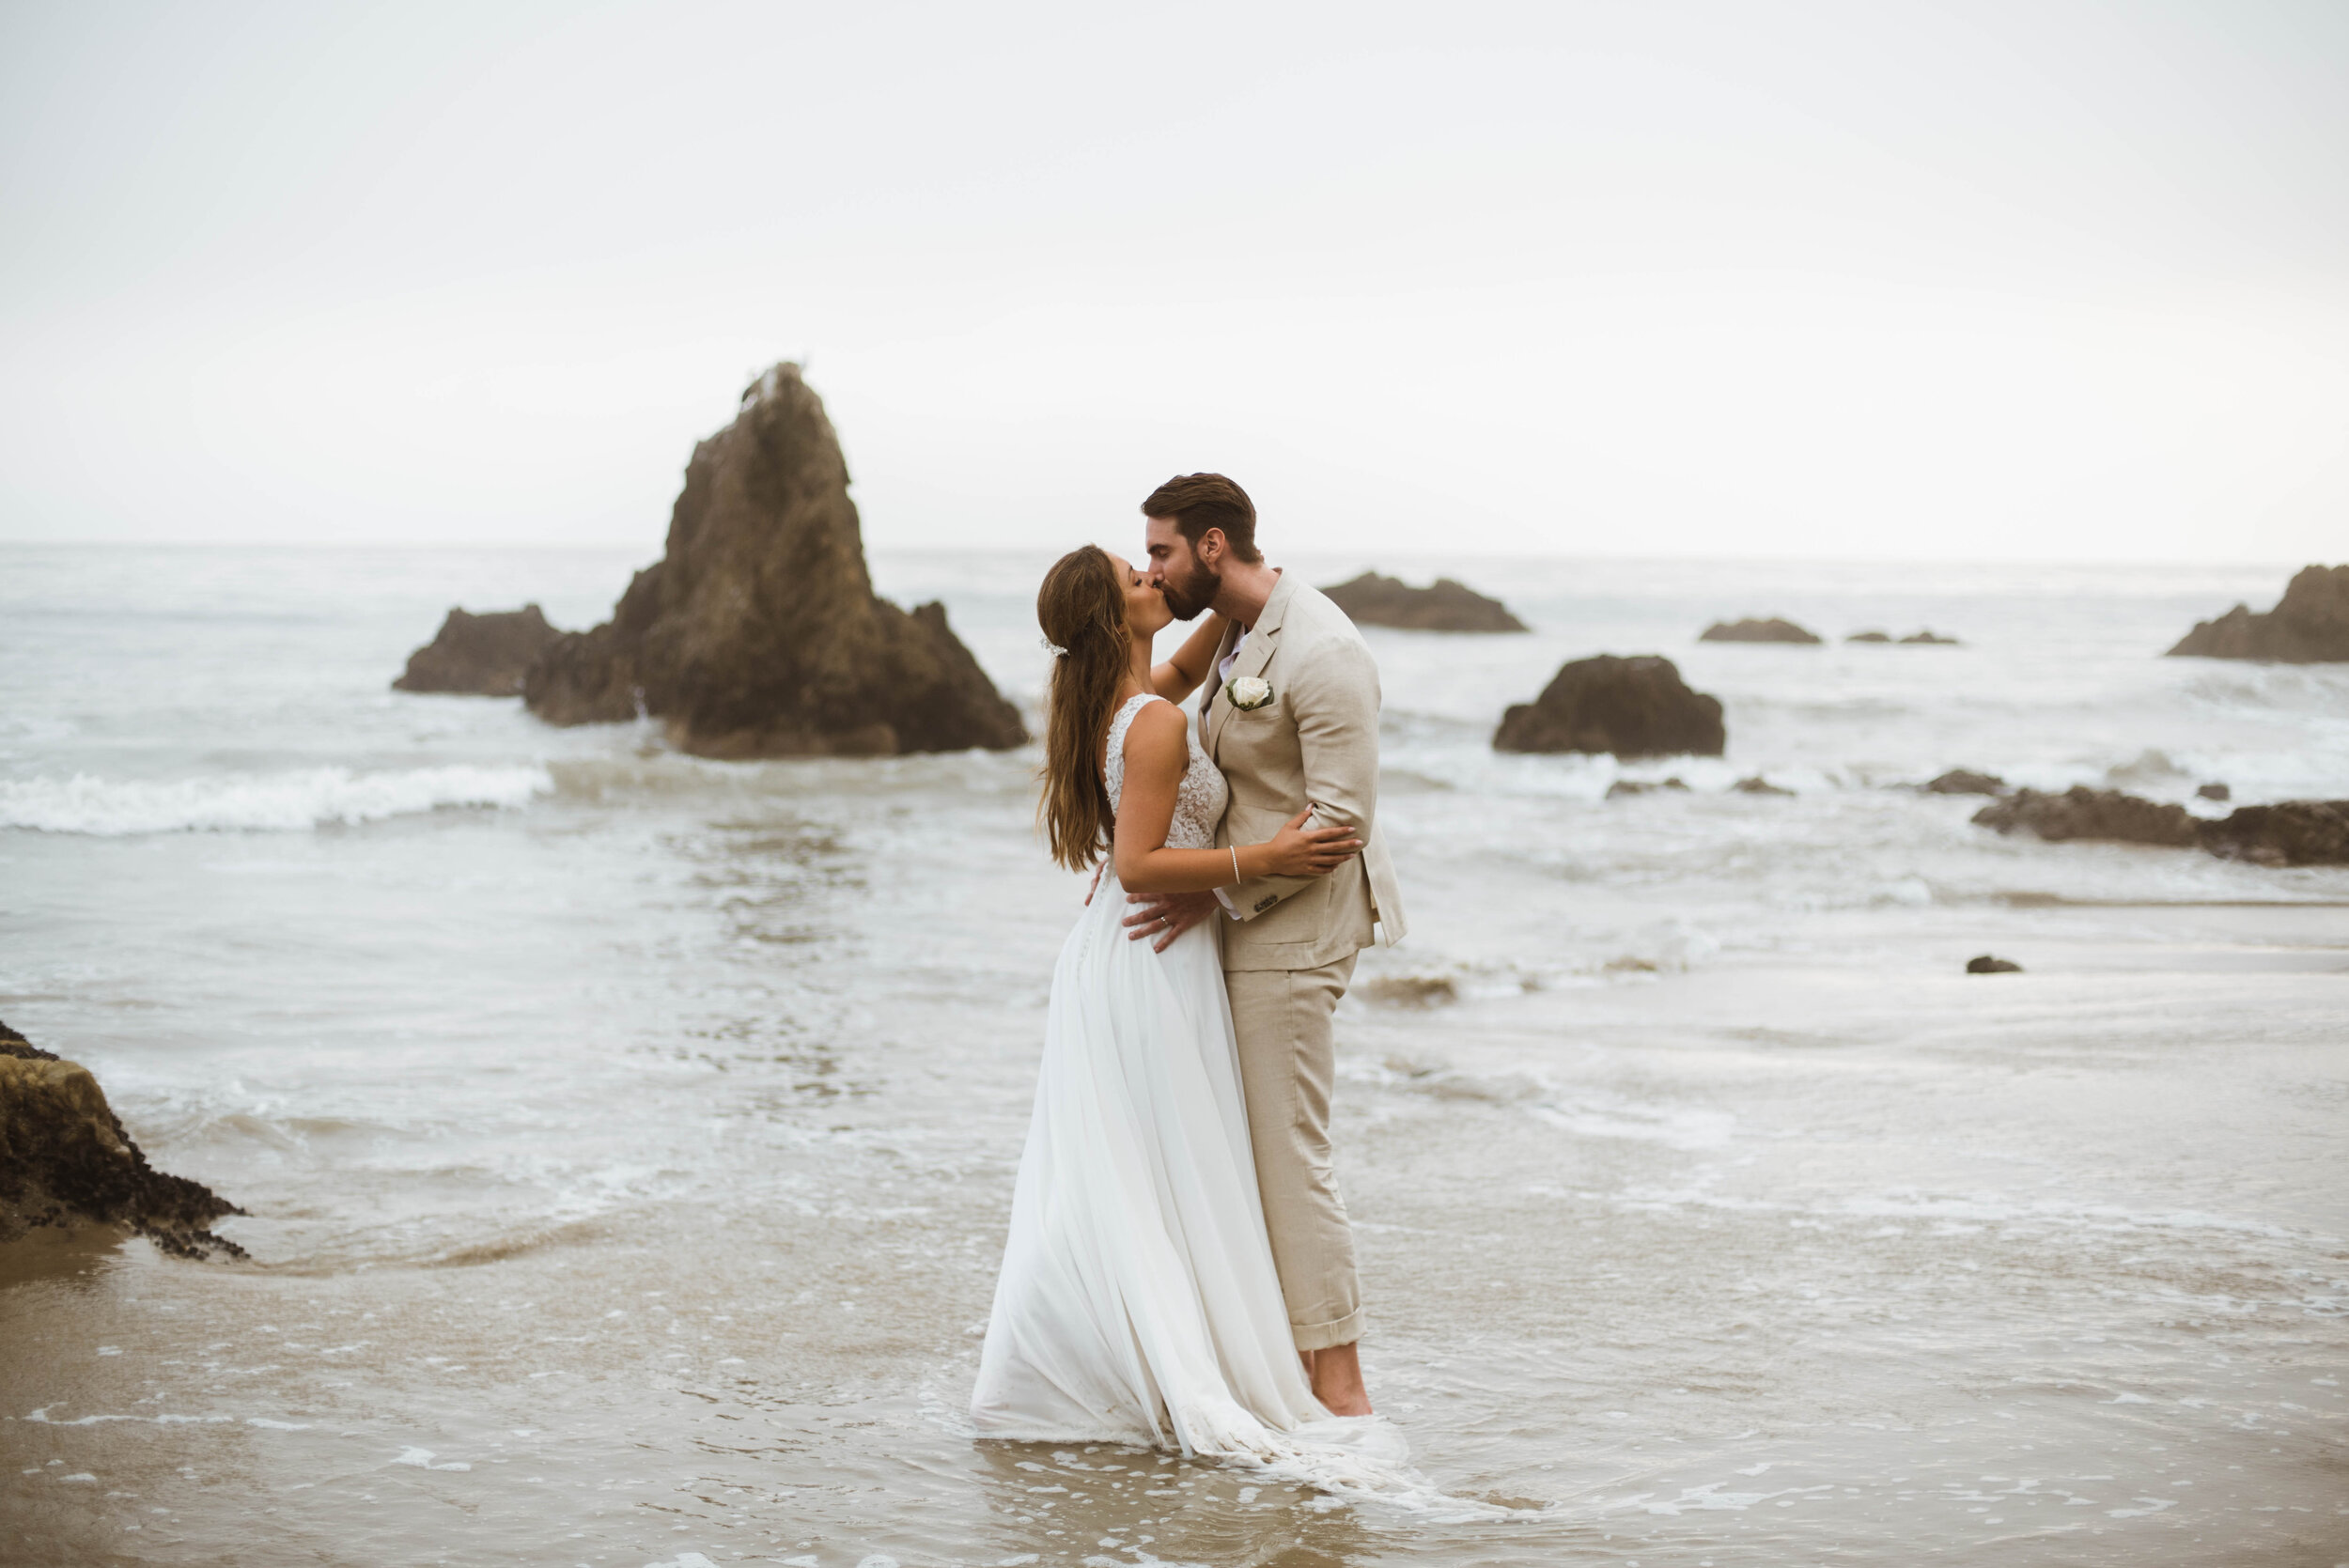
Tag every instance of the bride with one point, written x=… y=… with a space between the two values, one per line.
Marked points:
x=1138 y=1301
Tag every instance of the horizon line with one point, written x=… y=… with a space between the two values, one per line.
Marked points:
x=477 y=547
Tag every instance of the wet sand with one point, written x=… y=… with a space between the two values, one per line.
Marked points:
x=1775 y=1261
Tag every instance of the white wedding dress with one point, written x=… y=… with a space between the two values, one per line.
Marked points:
x=1138 y=1301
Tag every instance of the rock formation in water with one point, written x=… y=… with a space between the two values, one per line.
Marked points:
x=2309 y=624
x=479 y=656
x=1869 y=637
x=1760 y=785
x=1371 y=600
x=1964 y=781
x=1634 y=786
x=757 y=633
x=1772 y=631
x=1634 y=707
x=1987 y=964
x=66 y=1161
x=2290 y=833
x=2212 y=792
x=1927 y=637
x=2080 y=811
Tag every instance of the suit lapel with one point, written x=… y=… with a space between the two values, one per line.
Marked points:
x=1252 y=659
x=1213 y=688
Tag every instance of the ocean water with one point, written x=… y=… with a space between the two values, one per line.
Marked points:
x=627 y=1138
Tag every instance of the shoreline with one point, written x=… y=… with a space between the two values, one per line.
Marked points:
x=667 y=1353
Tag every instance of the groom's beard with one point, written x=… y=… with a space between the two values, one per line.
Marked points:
x=1190 y=595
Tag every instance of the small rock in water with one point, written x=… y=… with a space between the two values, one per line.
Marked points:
x=1869 y=637
x=1927 y=638
x=1372 y=599
x=1634 y=707
x=480 y=656
x=1755 y=630
x=1760 y=785
x=1988 y=964
x=1964 y=780
x=1636 y=786
x=2214 y=791
x=2290 y=833
x=1412 y=990
x=2093 y=814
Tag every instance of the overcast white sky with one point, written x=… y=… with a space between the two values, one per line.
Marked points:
x=1807 y=279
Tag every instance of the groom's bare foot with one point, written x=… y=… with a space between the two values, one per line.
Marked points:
x=1337 y=1375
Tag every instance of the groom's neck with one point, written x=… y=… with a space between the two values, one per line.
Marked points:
x=1246 y=588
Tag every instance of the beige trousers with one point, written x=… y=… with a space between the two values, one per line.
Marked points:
x=1287 y=1066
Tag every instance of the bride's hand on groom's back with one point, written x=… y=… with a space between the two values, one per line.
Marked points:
x=1297 y=850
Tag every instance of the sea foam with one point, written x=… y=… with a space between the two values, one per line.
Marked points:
x=258 y=802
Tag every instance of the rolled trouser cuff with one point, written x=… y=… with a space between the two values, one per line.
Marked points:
x=1324 y=1336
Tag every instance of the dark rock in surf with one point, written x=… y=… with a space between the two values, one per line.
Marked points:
x=479 y=656
x=1371 y=600
x=1760 y=785
x=1634 y=707
x=1413 y=990
x=758 y=633
x=1927 y=639
x=2082 y=813
x=1988 y=964
x=1634 y=786
x=1962 y=780
x=1749 y=631
x=1869 y=637
x=65 y=1161
x=2309 y=624
x=2290 y=833
x=2214 y=791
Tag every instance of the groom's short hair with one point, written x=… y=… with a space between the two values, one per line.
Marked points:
x=1198 y=502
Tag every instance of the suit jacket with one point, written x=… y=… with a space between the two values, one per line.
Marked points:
x=1315 y=741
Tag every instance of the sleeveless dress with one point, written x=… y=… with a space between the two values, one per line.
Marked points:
x=1138 y=1301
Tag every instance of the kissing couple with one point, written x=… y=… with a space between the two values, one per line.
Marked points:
x=1180 y=1270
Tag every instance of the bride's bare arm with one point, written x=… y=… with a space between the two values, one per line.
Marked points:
x=1157 y=749
x=1179 y=677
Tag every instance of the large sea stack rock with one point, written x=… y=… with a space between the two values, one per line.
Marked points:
x=2080 y=811
x=480 y=656
x=66 y=1161
x=2308 y=626
x=758 y=633
x=1634 y=707
x=1371 y=600
x=1750 y=630
x=2290 y=833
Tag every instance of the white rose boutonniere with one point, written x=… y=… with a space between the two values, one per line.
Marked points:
x=1250 y=693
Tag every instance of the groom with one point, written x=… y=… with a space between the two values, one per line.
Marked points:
x=1289 y=946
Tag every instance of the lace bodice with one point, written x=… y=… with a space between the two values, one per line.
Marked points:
x=1199 y=801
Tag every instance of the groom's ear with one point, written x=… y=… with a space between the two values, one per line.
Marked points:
x=1211 y=547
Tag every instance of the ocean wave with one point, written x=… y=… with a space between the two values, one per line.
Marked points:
x=258 y=802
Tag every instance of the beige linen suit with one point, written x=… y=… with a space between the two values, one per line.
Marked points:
x=1289 y=951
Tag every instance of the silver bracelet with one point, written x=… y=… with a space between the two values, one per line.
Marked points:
x=1234 y=849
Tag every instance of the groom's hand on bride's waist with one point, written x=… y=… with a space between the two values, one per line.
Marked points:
x=1166 y=915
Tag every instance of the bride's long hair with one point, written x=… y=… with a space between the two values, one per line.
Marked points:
x=1081 y=608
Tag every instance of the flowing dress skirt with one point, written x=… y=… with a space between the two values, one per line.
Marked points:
x=1138 y=1301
